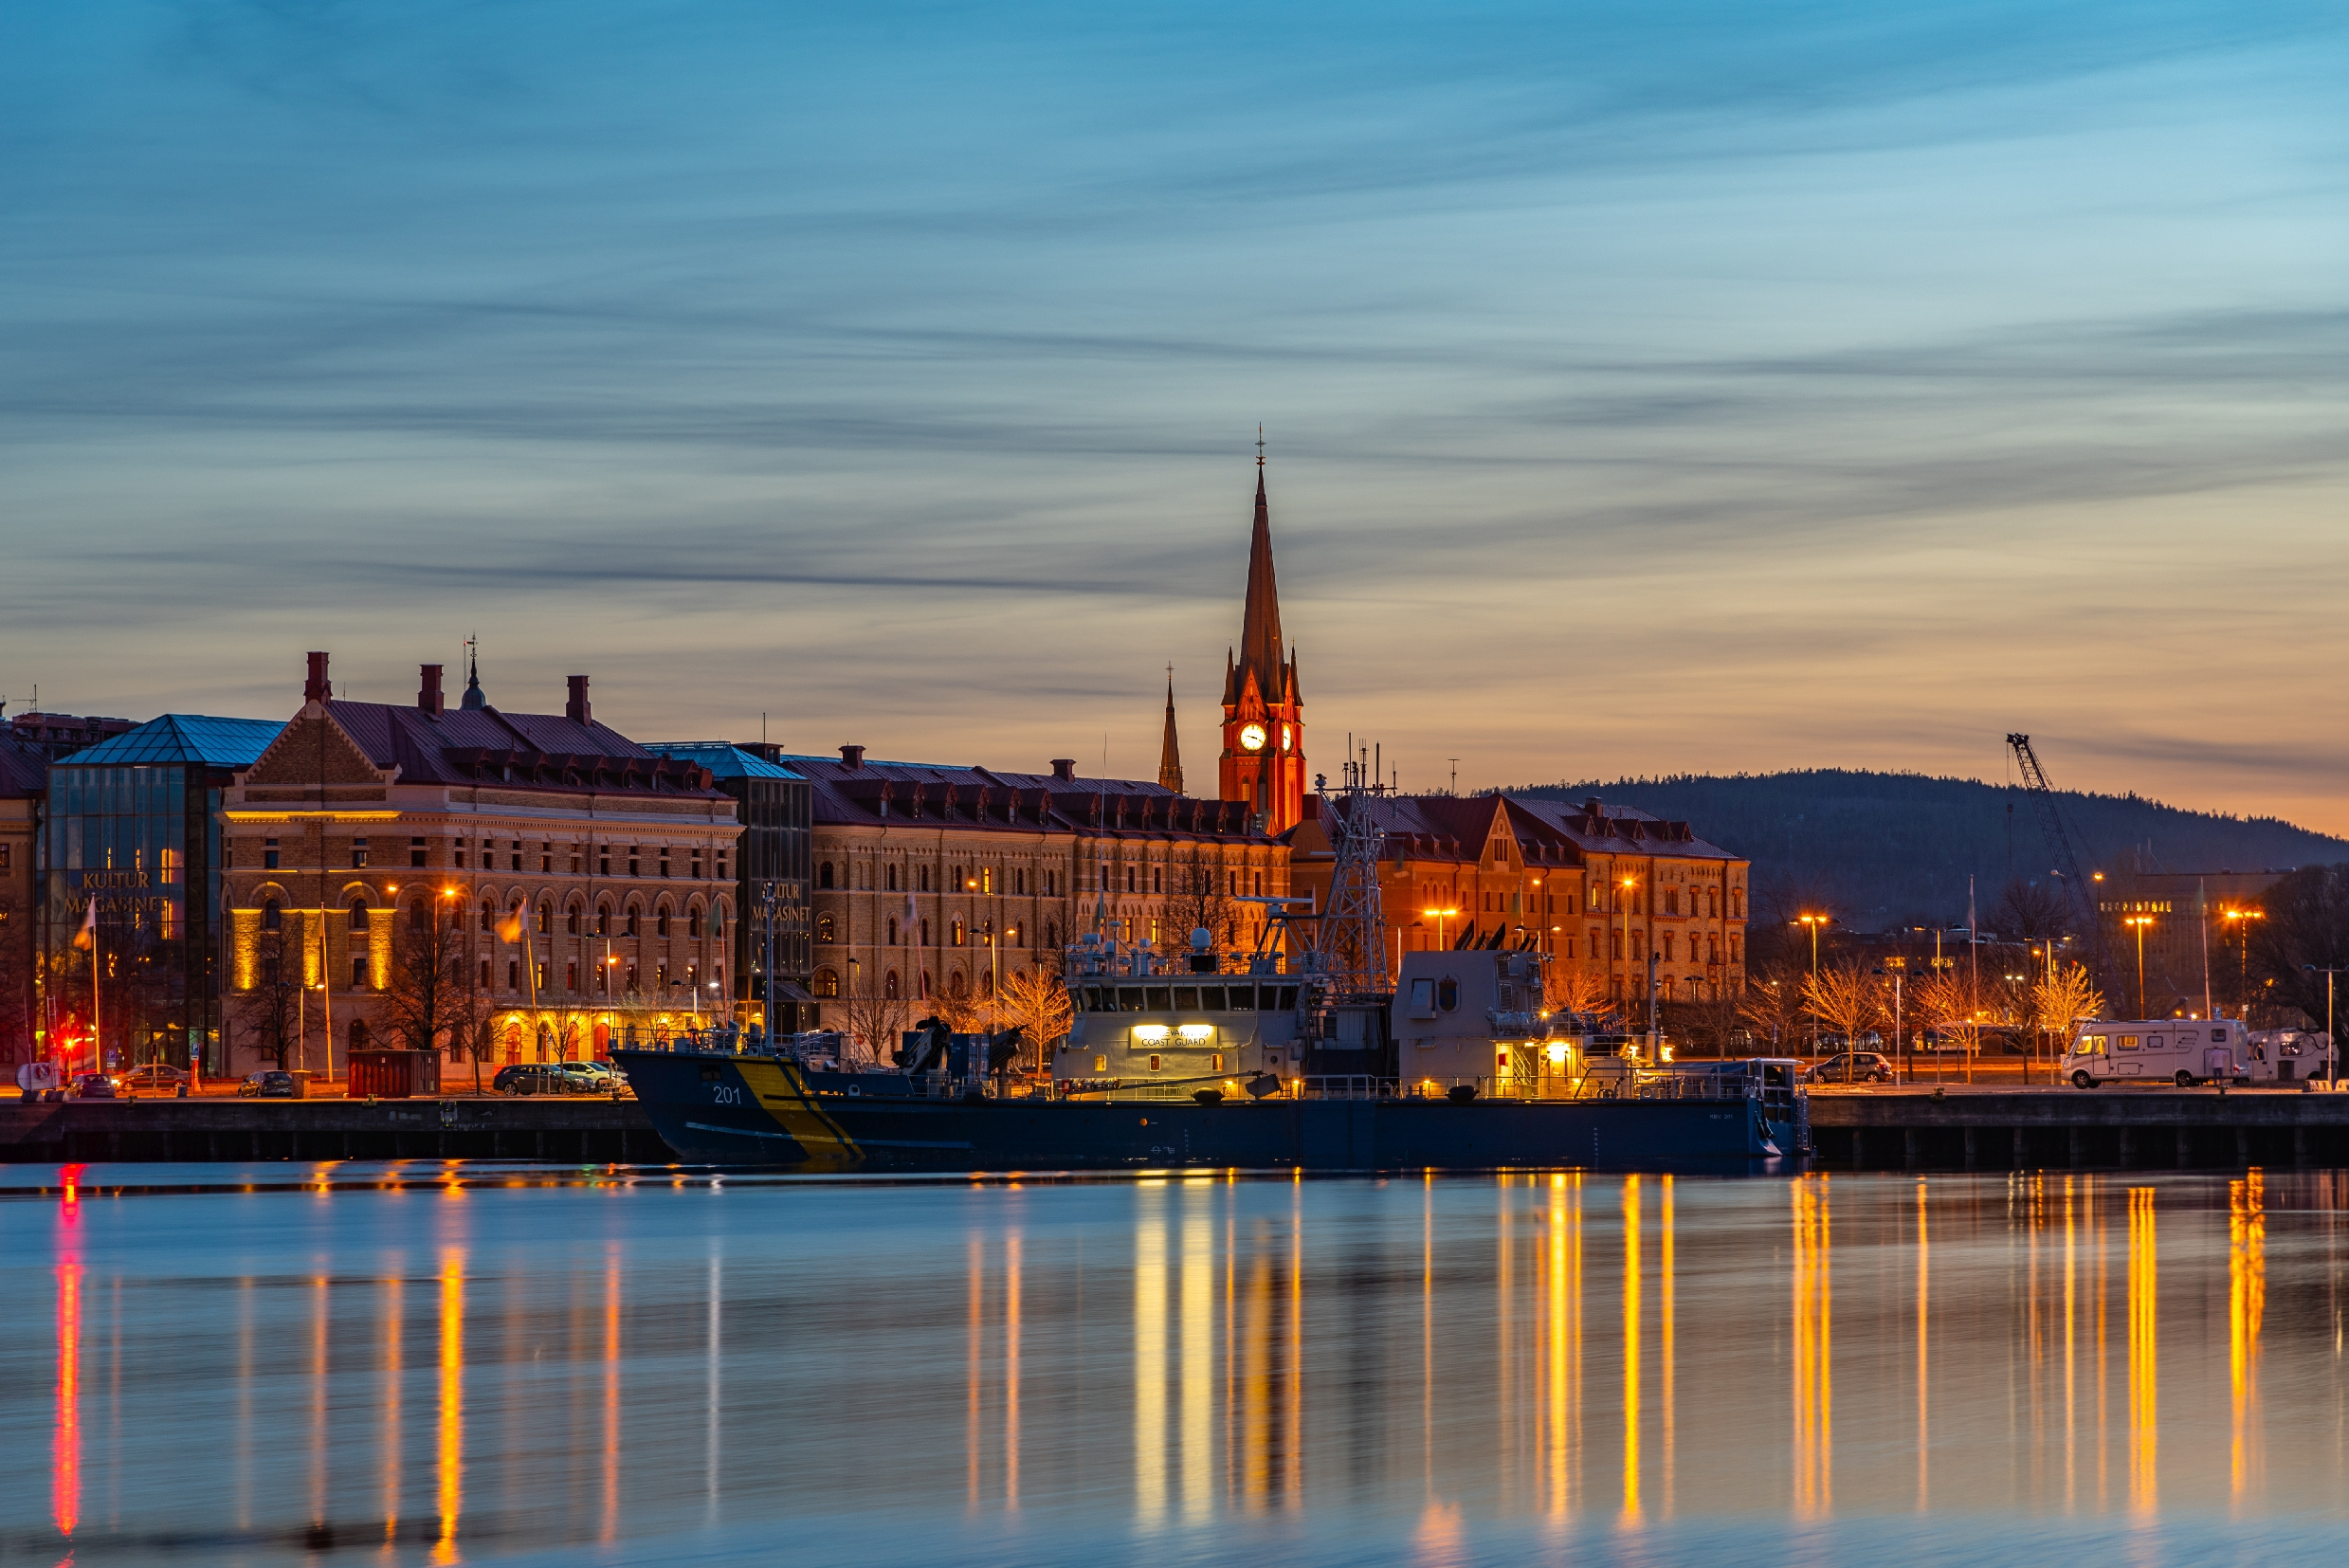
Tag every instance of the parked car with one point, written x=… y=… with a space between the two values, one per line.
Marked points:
x=271 y=1085
x=96 y=1085
x=541 y=1078
x=154 y=1077
x=598 y=1073
x=1853 y=1067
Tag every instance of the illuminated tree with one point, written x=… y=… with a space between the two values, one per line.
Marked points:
x=1845 y=998
x=1037 y=1002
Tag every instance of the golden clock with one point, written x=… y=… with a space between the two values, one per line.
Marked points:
x=1252 y=737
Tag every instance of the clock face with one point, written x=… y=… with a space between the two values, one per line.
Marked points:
x=1284 y=737
x=1252 y=737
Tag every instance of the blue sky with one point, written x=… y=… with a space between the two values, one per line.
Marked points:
x=1647 y=389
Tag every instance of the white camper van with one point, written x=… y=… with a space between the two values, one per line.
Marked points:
x=2184 y=1052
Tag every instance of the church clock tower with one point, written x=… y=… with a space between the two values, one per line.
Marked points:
x=1264 y=756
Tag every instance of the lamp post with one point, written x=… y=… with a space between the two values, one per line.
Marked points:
x=2243 y=955
x=1622 y=902
x=2331 y=1051
x=1895 y=971
x=1814 y=922
x=1440 y=916
x=2140 y=923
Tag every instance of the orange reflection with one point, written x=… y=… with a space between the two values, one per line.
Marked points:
x=452 y=1404
x=1665 y=1287
x=1011 y=1371
x=973 y=1391
x=2246 y=1304
x=65 y=1454
x=2145 y=1359
x=1562 y=1420
x=1814 y=1391
x=1925 y=1298
x=2071 y=1353
x=612 y=1394
x=1150 y=1357
x=1198 y=1350
x=1631 y=1347
x=391 y=1319
x=320 y=1287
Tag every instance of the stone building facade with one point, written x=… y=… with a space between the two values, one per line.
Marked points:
x=1600 y=888
x=365 y=826
x=23 y=778
x=933 y=882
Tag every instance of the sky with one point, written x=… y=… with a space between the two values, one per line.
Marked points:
x=1646 y=390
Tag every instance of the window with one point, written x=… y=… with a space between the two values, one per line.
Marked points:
x=1667 y=947
x=518 y=855
x=1733 y=945
x=633 y=862
x=603 y=921
x=633 y=915
x=571 y=923
x=1671 y=905
x=546 y=918
x=415 y=851
x=892 y=879
x=1129 y=879
x=697 y=865
x=489 y=919
x=514 y=974
x=986 y=879
x=825 y=984
x=1448 y=994
x=603 y=979
x=578 y=862
x=272 y=917
x=664 y=860
x=661 y=923
x=1157 y=879
x=4 y=856
x=358 y=852
x=571 y=976
x=485 y=974
x=459 y=860
x=603 y=860
x=359 y=914
x=631 y=979
x=892 y=931
x=824 y=876
x=358 y=973
x=546 y=858
x=926 y=879
x=416 y=916
x=925 y=941
x=889 y=985
x=957 y=931
x=720 y=872
x=826 y=930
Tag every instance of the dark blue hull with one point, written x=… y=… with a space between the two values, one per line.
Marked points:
x=757 y=1111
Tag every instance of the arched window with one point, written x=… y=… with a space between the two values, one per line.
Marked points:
x=957 y=931
x=955 y=984
x=888 y=985
x=925 y=985
x=571 y=921
x=1051 y=936
x=925 y=940
x=546 y=918
x=826 y=930
x=893 y=877
x=1129 y=879
x=826 y=983
x=416 y=916
x=824 y=875
x=489 y=914
x=893 y=931
x=661 y=921
x=603 y=919
x=1157 y=879
x=272 y=915
x=359 y=914
x=634 y=921
x=926 y=879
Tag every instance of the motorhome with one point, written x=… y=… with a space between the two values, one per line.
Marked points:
x=2184 y=1052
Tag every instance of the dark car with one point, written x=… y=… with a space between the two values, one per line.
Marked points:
x=1853 y=1067
x=154 y=1077
x=271 y=1085
x=540 y=1078
x=96 y=1085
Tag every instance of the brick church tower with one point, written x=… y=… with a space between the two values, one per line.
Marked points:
x=1264 y=756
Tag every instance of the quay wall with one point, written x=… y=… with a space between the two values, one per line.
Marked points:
x=2068 y=1129
x=589 y=1131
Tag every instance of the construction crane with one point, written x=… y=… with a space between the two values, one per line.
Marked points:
x=2079 y=899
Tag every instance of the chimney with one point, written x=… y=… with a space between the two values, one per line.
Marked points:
x=577 y=707
x=316 y=689
x=1063 y=768
x=429 y=692
x=852 y=757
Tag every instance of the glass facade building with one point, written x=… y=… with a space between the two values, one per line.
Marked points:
x=777 y=810
x=132 y=829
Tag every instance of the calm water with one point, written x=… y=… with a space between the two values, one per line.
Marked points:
x=413 y=1363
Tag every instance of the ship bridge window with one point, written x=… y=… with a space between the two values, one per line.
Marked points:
x=1161 y=999
x=1212 y=998
x=1130 y=998
x=1186 y=999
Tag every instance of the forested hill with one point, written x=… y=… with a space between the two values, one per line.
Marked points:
x=1887 y=848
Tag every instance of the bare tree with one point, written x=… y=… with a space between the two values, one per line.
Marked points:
x=1846 y=998
x=1036 y=1001
x=1573 y=988
x=875 y=1020
x=427 y=995
x=1773 y=1008
x=2029 y=912
x=1958 y=1009
x=1708 y=1022
x=271 y=1013
x=1196 y=899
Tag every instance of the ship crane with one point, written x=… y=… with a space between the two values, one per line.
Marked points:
x=2078 y=898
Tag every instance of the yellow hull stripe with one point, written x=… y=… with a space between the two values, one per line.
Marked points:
x=783 y=1094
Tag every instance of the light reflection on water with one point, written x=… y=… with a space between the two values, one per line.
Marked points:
x=443 y=1364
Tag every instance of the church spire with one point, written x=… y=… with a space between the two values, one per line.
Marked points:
x=1261 y=643
x=1169 y=757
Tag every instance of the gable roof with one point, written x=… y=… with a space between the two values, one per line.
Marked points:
x=24 y=768
x=527 y=751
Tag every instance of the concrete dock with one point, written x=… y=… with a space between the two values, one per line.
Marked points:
x=2064 y=1128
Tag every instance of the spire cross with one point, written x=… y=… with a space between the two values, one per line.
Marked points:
x=1260 y=445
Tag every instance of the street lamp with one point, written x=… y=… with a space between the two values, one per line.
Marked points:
x=2331 y=1051
x=2243 y=953
x=1898 y=965
x=2140 y=921
x=1440 y=916
x=1624 y=903
x=1814 y=922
